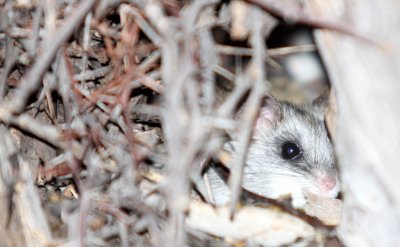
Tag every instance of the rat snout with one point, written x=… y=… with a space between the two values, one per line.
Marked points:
x=328 y=184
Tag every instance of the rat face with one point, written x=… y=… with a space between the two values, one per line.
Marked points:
x=290 y=152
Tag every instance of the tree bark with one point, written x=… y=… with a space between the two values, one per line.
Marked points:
x=365 y=78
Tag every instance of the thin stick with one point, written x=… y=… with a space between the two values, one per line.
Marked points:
x=251 y=108
x=275 y=52
x=32 y=80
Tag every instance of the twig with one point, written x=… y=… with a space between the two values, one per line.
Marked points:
x=90 y=75
x=144 y=26
x=86 y=39
x=178 y=69
x=11 y=59
x=274 y=52
x=250 y=111
x=209 y=59
x=224 y=72
x=149 y=61
x=32 y=80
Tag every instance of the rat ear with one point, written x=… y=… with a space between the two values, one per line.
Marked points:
x=320 y=104
x=270 y=113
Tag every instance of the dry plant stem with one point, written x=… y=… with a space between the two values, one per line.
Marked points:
x=82 y=219
x=228 y=107
x=11 y=59
x=50 y=19
x=146 y=113
x=149 y=61
x=177 y=187
x=86 y=40
x=47 y=133
x=208 y=58
x=143 y=24
x=93 y=74
x=224 y=72
x=282 y=51
x=49 y=82
x=181 y=115
x=174 y=74
x=17 y=33
x=34 y=41
x=275 y=52
x=32 y=80
x=251 y=109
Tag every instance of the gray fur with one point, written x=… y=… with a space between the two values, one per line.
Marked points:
x=266 y=173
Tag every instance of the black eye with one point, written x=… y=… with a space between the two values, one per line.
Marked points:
x=290 y=150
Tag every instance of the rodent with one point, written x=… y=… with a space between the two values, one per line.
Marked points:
x=290 y=151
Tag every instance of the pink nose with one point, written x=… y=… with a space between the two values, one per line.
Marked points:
x=328 y=183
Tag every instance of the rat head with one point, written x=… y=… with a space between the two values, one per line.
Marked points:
x=290 y=151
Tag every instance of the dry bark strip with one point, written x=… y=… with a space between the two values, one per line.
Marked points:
x=366 y=80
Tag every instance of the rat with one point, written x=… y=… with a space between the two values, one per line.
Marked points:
x=290 y=152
